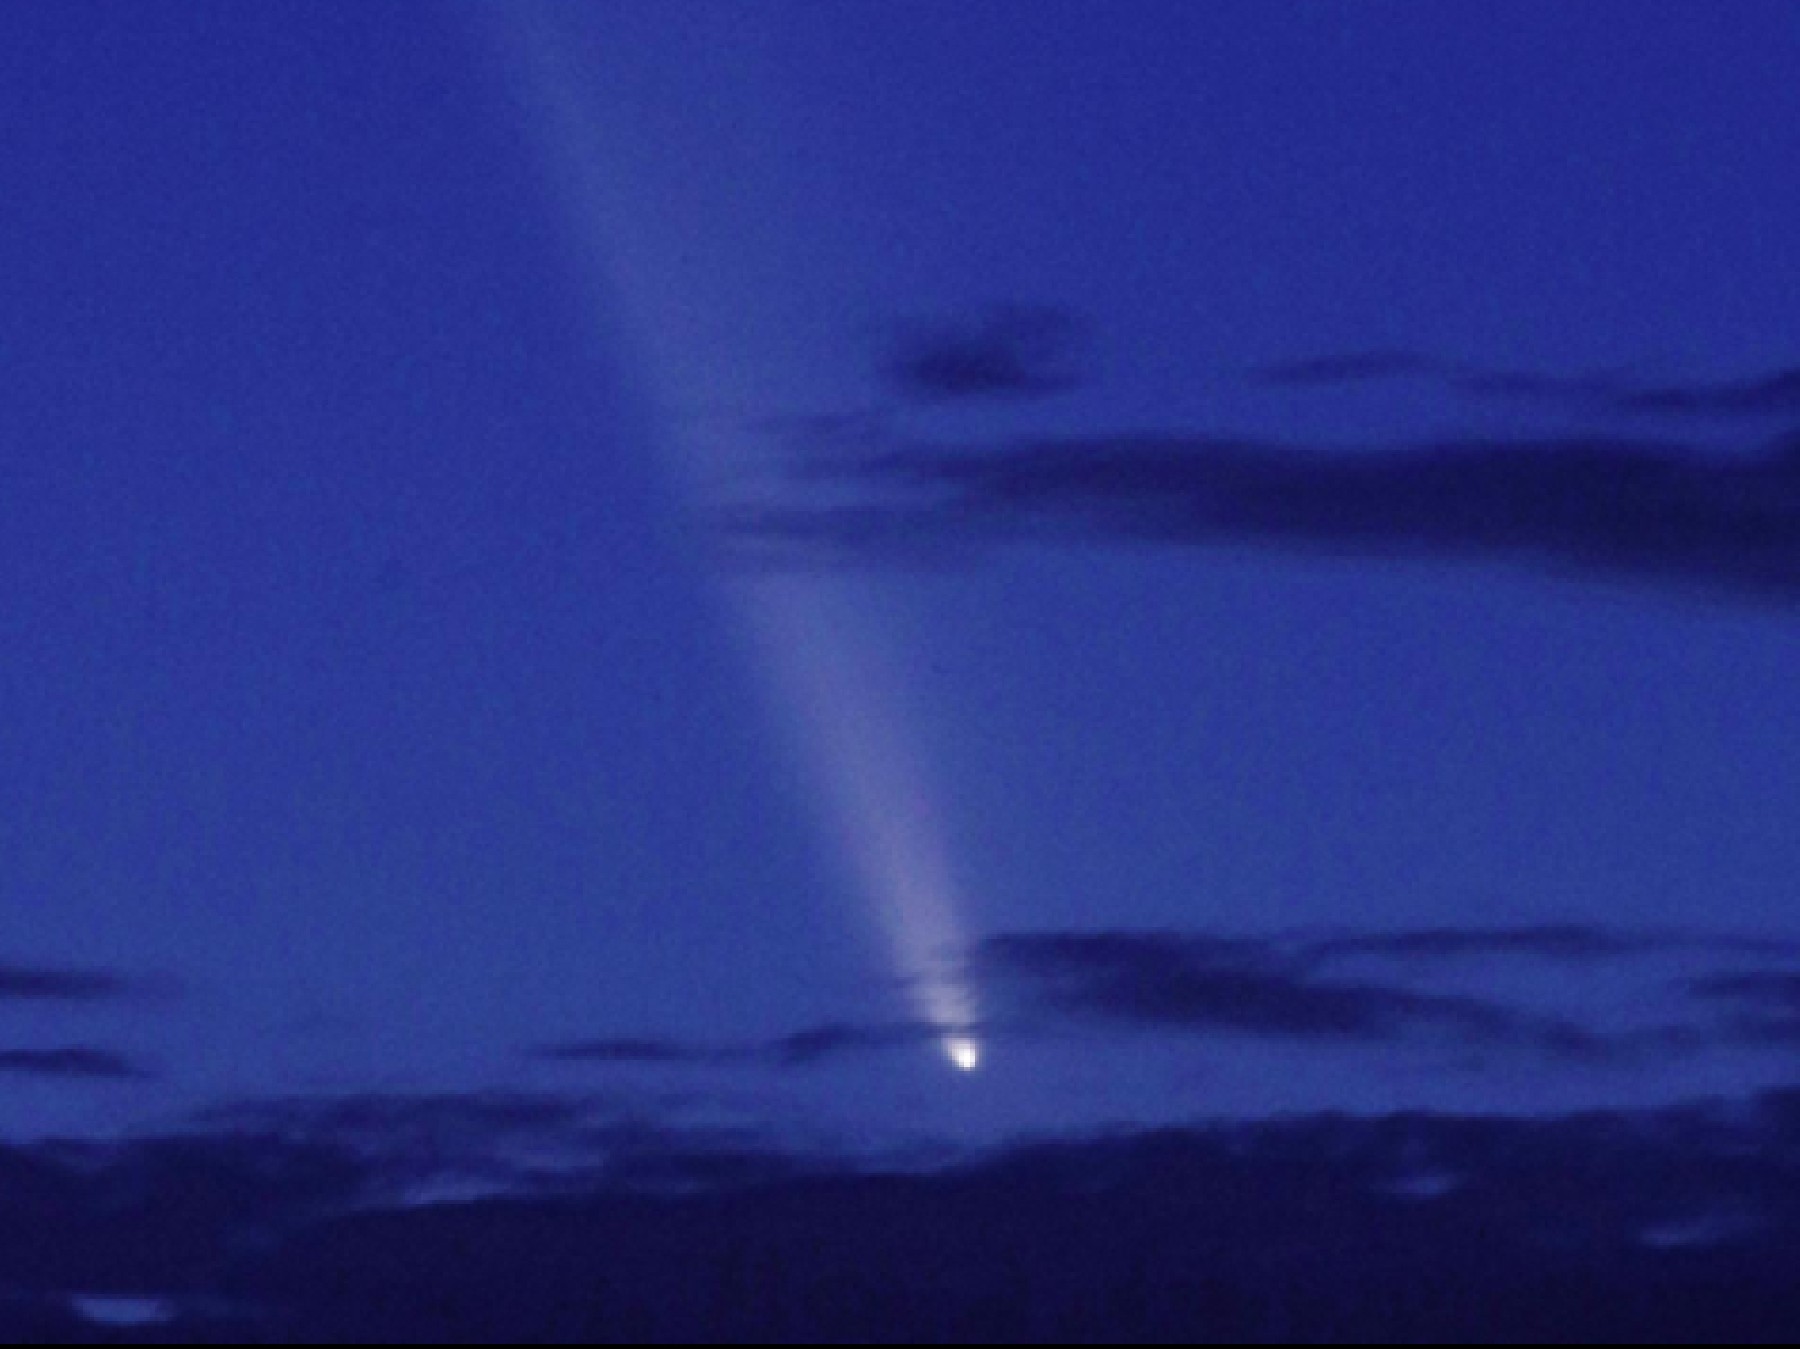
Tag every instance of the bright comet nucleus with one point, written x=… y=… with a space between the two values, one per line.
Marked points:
x=964 y=1051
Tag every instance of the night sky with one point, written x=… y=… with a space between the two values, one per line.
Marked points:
x=701 y=568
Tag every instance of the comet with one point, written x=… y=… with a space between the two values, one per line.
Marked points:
x=815 y=650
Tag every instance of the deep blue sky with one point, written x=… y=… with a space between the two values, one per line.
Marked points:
x=375 y=708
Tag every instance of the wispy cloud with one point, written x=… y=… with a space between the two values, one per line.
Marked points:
x=1345 y=367
x=1675 y=511
x=77 y=1064
x=1302 y=986
x=450 y=1145
x=799 y=1049
x=822 y=1043
x=1762 y=1005
x=1578 y=943
x=29 y=983
x=1773 y=394
x=1643 y=511
x=1011 y=351
x=630 y=1050
x=1175 y=983
x=436 y=1125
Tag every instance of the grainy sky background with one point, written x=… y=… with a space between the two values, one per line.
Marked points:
x=385 y=708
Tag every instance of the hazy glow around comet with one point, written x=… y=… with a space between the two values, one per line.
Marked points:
x=813 y=651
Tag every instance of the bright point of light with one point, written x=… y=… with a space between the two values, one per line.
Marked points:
x=964 y=1051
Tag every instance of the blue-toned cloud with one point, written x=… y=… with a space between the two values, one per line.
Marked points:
x=631 y=1050
x=1174 y=983
x=1012 y=351
x=1760 y=1005
x=1565 y=942
x=80 y=1063
x=1346 y=367
x=1301 y=986
x=1648 y=512
x=1773 y=394
x=1675 y=1224
x=822 y=1043
x=1654 y=510
x=804 y=1048
x=34 y=983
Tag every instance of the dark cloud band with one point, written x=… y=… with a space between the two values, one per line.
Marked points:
x=1175 y=983
x=1775 y=394
x=799 y=1049
x=24 y=983
x=79 y=1064
x=1647 y=512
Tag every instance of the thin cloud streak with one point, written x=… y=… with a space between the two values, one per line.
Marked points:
x=1761 y=1006
x=1648 y=512
x=75 y=1064
x=26 y=983
x=1574 y=943
x=799 y=1049
x=1349 y=367
x=1774 y=394
x=629 y=1051
x=1172 y=983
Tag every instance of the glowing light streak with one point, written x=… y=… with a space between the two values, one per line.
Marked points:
x=814 y=656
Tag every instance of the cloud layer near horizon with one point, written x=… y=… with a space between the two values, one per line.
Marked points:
x=1184 y=984
x=317 y=1225
x=1382 y=987
x=799 y=1049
